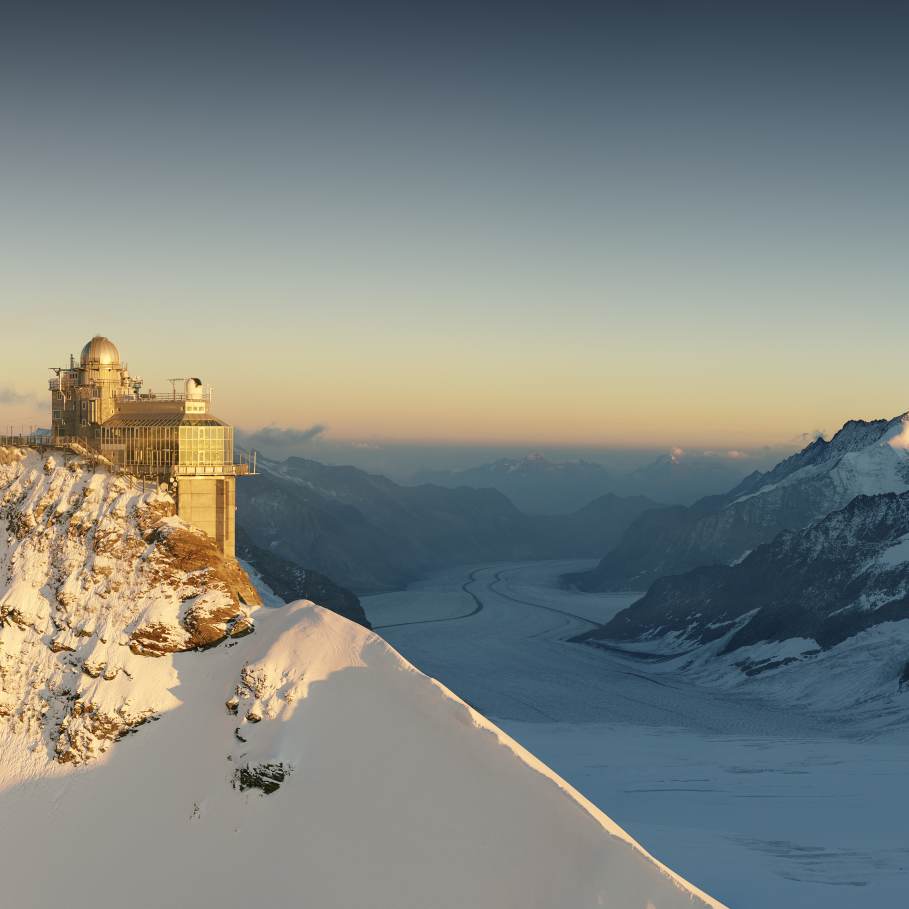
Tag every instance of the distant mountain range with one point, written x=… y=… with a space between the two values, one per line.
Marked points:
x=820 y=613
x=862 y=458
x=539 y=485
x=680 y=477
x=368 y=533
x=534 y=483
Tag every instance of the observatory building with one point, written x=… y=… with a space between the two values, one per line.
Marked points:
x=170 y=437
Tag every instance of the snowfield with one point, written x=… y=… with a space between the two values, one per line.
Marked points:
x=396 y=794
x=755 y=793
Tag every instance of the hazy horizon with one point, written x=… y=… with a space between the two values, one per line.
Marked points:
x=403 y=460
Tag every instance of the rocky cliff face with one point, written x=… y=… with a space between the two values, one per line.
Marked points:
x=99 y=584
x=862 y=458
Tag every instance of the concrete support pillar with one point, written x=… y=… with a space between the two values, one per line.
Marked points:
x=209 y=504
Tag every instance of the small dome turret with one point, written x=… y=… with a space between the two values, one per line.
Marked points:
x=101 y=351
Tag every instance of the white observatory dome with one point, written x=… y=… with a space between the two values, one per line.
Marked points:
x=100 y=350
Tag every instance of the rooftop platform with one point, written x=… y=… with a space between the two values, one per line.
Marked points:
x=164 y=419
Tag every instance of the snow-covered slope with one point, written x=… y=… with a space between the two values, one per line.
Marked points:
x=863 y=458
x=304 y=764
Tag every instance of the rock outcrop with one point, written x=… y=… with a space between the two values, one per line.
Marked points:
x=97 y=576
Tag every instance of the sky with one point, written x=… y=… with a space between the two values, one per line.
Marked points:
x=612 y=226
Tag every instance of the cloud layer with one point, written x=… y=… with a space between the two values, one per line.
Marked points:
x=9 y=395
x=279 y=440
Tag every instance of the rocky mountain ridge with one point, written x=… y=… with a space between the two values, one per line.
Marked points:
x=863 y=458
x=820 y=614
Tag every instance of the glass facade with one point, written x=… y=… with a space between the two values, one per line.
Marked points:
x=206 y=445
x=154 y=445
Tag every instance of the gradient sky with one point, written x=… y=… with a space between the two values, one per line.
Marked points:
x=649 y=224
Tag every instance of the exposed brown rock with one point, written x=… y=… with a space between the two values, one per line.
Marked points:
x=128 y=580
x=87 y=732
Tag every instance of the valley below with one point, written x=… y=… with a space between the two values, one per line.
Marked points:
x=760 y=803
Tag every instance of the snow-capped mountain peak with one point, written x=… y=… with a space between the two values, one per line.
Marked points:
x=863 y=458
x=818 y=615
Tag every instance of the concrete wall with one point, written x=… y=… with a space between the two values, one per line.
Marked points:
x=209 y=503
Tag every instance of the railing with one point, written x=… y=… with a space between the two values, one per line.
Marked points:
x=40 y=440
x=211 y=470
x=246 y=468
x=165 y=396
